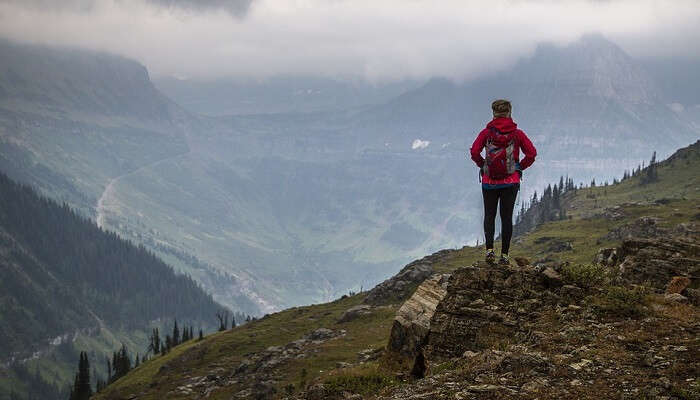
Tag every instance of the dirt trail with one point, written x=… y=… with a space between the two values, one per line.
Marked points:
x=103 y=201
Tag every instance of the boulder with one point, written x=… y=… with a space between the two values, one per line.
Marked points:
x=320 y=334
x=606 y=256
x=552 y=277
x=675 y=297
x=678 y=284
x=354 y=312
x=483 y=306
x=412 y=321
x=657 y=261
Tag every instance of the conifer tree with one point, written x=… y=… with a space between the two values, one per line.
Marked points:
x=81 y=387
x=176 y=335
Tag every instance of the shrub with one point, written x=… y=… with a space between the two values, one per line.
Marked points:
x=585 y=275
x=621 y=301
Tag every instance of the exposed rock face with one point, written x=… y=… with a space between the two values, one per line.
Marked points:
x=644 y=227
x=657 y=261
x=400 y=286
x=484 y=303
x=412 y=321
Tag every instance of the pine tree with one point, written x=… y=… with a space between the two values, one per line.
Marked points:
x=201 y=334
x=109 y=370
x=176 y=335
x=651 y=175
x=81 y=387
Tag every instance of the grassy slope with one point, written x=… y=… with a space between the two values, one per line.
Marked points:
x=678 y=182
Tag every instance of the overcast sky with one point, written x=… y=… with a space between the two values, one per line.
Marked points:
x=376 y=39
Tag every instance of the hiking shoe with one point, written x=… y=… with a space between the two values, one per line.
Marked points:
x=504 y=260
x=490 y=256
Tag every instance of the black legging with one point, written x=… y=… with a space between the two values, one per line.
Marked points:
x=507 y=199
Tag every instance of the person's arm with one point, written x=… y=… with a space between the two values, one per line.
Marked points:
x=528 y=150
x=476 y=148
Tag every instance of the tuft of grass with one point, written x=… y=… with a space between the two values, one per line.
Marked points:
x=585 y=275
x=619 y=301
x=361 y=380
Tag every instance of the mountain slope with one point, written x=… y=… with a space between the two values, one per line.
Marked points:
x=64 y=281
x=339 y=344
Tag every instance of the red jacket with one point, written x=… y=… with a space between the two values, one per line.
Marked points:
x=504 y=125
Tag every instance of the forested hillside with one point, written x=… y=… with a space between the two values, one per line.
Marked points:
x=62 y=277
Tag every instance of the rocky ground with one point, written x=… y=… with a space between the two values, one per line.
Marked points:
x=625 y=326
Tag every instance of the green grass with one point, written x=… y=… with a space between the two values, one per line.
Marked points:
x=230 y=347
x=585 y=275
x=365 y=380
x=619 y=301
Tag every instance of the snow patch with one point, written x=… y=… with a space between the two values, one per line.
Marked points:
x=677 y=107
x=420 y=144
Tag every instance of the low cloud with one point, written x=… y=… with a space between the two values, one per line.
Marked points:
x=374 y=39
x=234 y=7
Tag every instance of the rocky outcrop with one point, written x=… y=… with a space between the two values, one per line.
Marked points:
x=656 y=261
x=483 y=304
x=399 y=287
x=644 y=227
x=412 y=321
x=353 y=313
x=530 y=332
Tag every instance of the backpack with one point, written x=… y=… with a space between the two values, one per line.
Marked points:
x=500 y=162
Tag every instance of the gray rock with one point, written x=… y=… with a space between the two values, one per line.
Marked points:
x=412 y=321
x=354 y=312
x=676 y=297
x=571 y=291
x=320 y=334
x=397 y=288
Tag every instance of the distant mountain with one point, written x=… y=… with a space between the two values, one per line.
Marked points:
x=581 y=103
x=218 y=97
x=676 y=77
x=61 y=80
x=66 y=282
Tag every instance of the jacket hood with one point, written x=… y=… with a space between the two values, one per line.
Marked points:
x=503 y=124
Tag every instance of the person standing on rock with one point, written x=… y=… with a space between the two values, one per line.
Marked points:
x=500 y=172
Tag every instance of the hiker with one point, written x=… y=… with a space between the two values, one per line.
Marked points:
x=500 y=173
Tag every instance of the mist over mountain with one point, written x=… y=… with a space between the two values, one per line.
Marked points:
x=222 y=96
x=255 y=207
